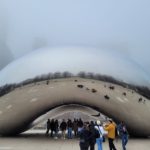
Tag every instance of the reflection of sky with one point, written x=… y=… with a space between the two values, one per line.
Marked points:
x=120 y=26
x=74 y=60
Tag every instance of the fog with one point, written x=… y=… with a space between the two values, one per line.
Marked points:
x=118 y=26
x=74 y=60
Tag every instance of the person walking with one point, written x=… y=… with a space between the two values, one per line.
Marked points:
x=123 y=133
x=111 y=128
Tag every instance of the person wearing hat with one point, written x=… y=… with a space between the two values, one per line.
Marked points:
x=99 y=140
x=111 y=127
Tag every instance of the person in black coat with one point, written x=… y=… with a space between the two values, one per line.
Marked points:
x=63 y=127
x=48 y=127
x=75 y=127
x=52 y=125
x=56 y=126
x=84 y=135
x=80 y=125
x=93 y=135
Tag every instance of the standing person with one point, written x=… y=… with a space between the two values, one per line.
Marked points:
x=111 y=128
x=63 y=127
x=80 y=125
x=84 y=135
x=123 y=133
x=56 y=126
x=99 y=140
x=48 y=126
x=75 y=127
x=94 y=134
x=69 y=125
x=52 y=124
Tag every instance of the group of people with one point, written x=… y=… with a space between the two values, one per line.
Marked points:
x=89 y=133
x=70 y=126
x=92 y=134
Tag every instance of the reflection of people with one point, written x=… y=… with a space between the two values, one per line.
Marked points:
x=123 y=133
x=84 y=135
x=111 y=127
x=48 y=127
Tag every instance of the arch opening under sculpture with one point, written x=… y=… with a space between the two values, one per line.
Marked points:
x=70 y=108
x=22 y=106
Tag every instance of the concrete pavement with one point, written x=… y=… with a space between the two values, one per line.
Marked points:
x=38 y=141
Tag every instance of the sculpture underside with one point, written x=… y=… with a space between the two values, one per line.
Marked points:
x=19 y=108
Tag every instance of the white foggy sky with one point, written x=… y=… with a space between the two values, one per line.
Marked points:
x=115 y=25
x=76 y=59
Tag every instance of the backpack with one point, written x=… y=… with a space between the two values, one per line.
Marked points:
x=97 y=134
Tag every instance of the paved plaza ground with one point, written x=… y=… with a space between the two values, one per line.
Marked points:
x=38 y=141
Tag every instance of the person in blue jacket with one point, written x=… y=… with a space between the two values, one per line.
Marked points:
x=123 y=133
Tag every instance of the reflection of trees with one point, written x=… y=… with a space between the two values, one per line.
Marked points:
x=82 y=74
x=66 y=74
x=143 y=90
x=57 y=75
